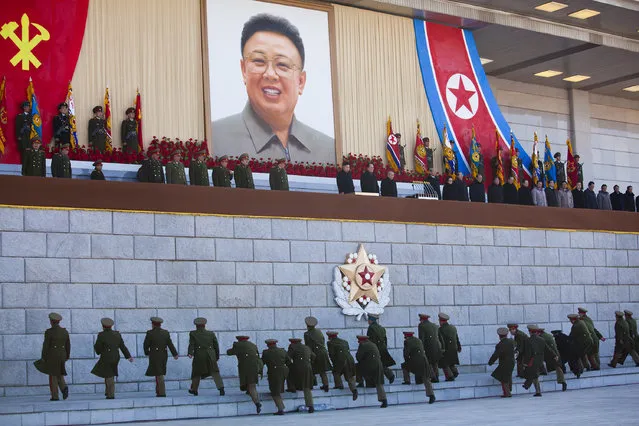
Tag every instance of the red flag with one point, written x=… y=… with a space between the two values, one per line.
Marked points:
x=572 y=175
x=3 y=115
x=514 y=162
x=421 y=163
x=138 y=118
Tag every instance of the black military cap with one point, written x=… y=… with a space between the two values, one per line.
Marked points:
x=129 y=110
x=576 y=156
x=97 y=109
x=25 y=104
x=557 y=154
x=63 y=104
x=96 y=162
x=242 y=338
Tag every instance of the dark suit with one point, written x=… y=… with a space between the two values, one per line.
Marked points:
x=368 y=183
x=389 y=188
x=345 y=182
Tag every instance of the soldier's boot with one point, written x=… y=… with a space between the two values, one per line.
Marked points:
x=406 y=376
x=352 y=387
x=593 y=362
x=448 y=374
x=308 y=400
x=505 y=390
x=381 y=395
x=454 y=370
x=160 y=389
x=585 y=362
x=109 y=384
x=252 y=390
x=597 y=360
x=435 y=374
x=277 y=399
x=560 y=378
x=195 y=385
x=389 y=375
x=219 y=383
x=53 y=388
x=63 y=387
x=527 y=384
x=537 y=387
x=325 y=386
x=430 y=393
x=337 y=379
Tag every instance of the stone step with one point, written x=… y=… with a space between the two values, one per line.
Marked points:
x=140 y=406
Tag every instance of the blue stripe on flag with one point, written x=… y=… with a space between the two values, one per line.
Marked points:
x=392 y=153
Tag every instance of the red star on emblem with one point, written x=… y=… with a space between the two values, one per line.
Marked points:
x=463 y=96
x=363 y=275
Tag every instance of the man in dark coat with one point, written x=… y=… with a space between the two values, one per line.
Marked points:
x=580 y=338
x=369 y=365
x=566 y=353
x=591 y=197
x=198 y=171
x=61 y=163
x=33 y=160
x=221 y=175
x=204 y=350
x=496 y=192
x=344 y=180
x=510 y=192
x=368 y=180
x=534 y=359
x=129 y=132
x=24 y=121
x=108 y=345
x=97 y=174
x=460 y=187
x=524 y=195
x=56 y=350
x=156 y=342
x=314 y=339
x=434 y=183
x=450 y=190
x=152 y=170
x=505 y=353
x=97 y=130
x=301 y=375
x=551 y=194
x=377 y=335
x=243 y=174
x=415 y=362
x=552 y=358
x=452 y=347
x=278 y=178
x=629 y=200
x=428 y=333
x=277 y=361
x=477 y=191
x=175 y=173
x=624 y=344
x=62 y=126
x=617 y=199
x=343 y=362
x=521 y=340
x=389 y=186
x=249 y=365
x=578 y=197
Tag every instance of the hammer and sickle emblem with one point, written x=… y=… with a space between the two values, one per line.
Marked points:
x=24 y=44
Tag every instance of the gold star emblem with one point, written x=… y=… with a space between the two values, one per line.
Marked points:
x=363 y=276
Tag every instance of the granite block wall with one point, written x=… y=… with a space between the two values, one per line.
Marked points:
x=261 y=277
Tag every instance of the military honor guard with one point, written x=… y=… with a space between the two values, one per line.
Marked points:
x=314 y=339
x=156 y=343
x=428 y=333
x=581 y=340
x=129 y=132
x=198 y=171
x=204 y=350
x=152 y=170
x=533 y=359
x=277 y=362
x=97 y=174
x=415 y=362
x=343 y=362
x=97 y=130
x=175 y=173
x=62 y=126
x=33 y=160
x=552 y=358
x=277 y=177
x=377 y=334
x=61 y=163
x=301 y=375
x=249 y=365
x=369 y=365
x=580 y=170
x=591 y=362
x=221 y=175
x=559 y=166
x=452 y=347
x=23 y=122
x=108 y=345
x=56 y=350
x=243 y=174
x=624 y=343
x=521 y=339
x=505 y=354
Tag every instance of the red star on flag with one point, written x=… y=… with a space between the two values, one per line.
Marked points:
x=463 y=96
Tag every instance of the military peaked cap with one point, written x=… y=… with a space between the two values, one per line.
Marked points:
x=54 y=316
x=270 y=342
x=532 y=327
x=281 y=160
x=373 y=316
x=106 y=322
x=242 y=338
x=199 y=321
x=62 y=104
x=409 y=333
x=96 y=162
x=557 y=154
x=512 y=325
x=24 y=104
x=244 y=155
x=627 y=312
x=502 y=331
x=310 y=321
x=97 y=109
x=583 y=310
x=65 y=145
x=295 y=340
x=443 y=316
x=36 y=139
x=129 y=110
x=424 y=316
x=223 y=158
x=573 y=316
x=618 y=313
x=331 y=333
x=362 y=338
x=157 y=320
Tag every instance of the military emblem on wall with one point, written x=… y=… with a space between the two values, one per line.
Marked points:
x=361 y=285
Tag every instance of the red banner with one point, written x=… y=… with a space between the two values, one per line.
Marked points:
x=40 y=39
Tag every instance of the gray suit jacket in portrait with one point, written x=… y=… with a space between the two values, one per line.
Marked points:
x=247 y=132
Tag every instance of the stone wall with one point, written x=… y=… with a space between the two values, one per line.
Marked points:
x=261 y=277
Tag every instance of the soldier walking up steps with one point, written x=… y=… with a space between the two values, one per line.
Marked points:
x=377 y=334
x=314 y=339
x=369 y=365
x=552 y=359
x=521 y=340
x=452 y=347
x=343 y=362
x=108 y=345
x=581 y=340
x=56 y=350
x=277 y=361
x=591 y=361
x=505 y=353
x=415 y=362
x=533 y=359
x=624 y=344
x=156 y=342
x=204 y=350
x=301 y=375
x=249 y=365
x=428 y=333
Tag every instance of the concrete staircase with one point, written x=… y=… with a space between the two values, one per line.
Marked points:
x=92 y=408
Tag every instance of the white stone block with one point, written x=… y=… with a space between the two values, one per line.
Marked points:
x=256 y=319
x=286 y=229
x=495 y=295
x=390 y=232
x=408 y=295
x=23 y=244
x=581 y=240
x=70 y=296
x=29 y=295
x=571 y=257
x=617 y=293
x=92 y=271
x=132 y=320
x=407 y=254
x=88 y=320
x=627 y=241
x=533 y=238
x=280 y=296
x=546 y=256
x=271 y=251
x=197 y=296
x=482 y=314
x=114 y=296
x=397 y=273
x=381 y=250
x=458 y=314
x=38 y=419
x=155 y=248
x=534 y=275
x=292 y=318
x=156 y=296
x=437 y=255
x=174 y=225
x=596 y=293
x=11 y=269
x=604 y=240
x=594 y=257
x=548 y=293
x=337 y=252
x=68 y=245
x=522 y=295
x=111 y=246
x=466 y=255
x=479 y=355
x=480 y=236
x=42 y=220
x=11 y=219
x=176 y=272
x=424 y=234
x=82 y=345
x=332 y=317
x=18 y=347
x=508 y=313
x=91 y=222
x=215 y=272
x=320 y=273
x=439 y=295
x=234 y=296
x=453 y=275
x=307 y=251
x=471 y=335
x=481 y=275
x=616 y=258
x=583 y=275
x=536 y=314
x=37 y=320
x=13 y=373
x=214 y=226
x=135 y=271
x=467 y=295
x=256 y=273
x=313 y=295
x=560 y=275
x=177 y=320
x=288 y=273
x=572 y=294
x=323 y=230
x=234 y=250
x=133 y=223
x=451 y=235
x=628 y=275
x=494 y=255
x=251 y=228
x=557 y=239
x=606 y=276
x=520 y=256
x=633 y=258
x=47 y=270
x=507 y=237
x=508 y=275
x=606 y=312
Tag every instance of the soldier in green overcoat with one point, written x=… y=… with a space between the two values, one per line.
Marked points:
x=249 y=365
x=278 y=178
x=175 y=173
x=369 y=365
x=534 y=354
x=377 y=334
x=221 y=174
x=61 y=163
x=152 y=170
x=198 y=172
x=300 y=374
x=33 y=160
x=343 y=362
x=415 y=362
x=277 y=361
x=624 y=344
x=452 y=347
x=314 y=339
x=242 y=174
x=552 y=357
x=581 y=339
x=204 y=350
x=129 y=132
x=97 y=130
x=108 y=345
x=428 y=333
x=521 y=340
x=505 y=353
x=591 y=362
x=24 y=121
x=156 y=342
x=56 y=350
x=632 y=328
x=97 y=174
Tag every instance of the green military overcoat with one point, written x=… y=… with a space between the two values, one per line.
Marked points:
x=199 y=173
x=278 y=179
x=56 y=350
x=449 y=336
x=249 y=364
x=428 y=333
x=551 y=352
x=415 y=360
x=581 y=338
x=632 y=328
x=108 y=345
x=377 y=334
x=175 y=173
x=205 y=350
x=623 y=342
x=314 y=339
x=243 y=177
x=521 y=341
x=277 y=361
x=341 y=358
x=301 y=371
x=369 y=363
x=534 y=357
x=156 y=342
x=33 y=163
x=505 y=353
x=129 y=134
x=221 y=177
x=151 y=171
x=61 y=166
x=97 y=134
x=595 y=335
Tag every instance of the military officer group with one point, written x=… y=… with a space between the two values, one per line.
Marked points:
x=435 y=347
